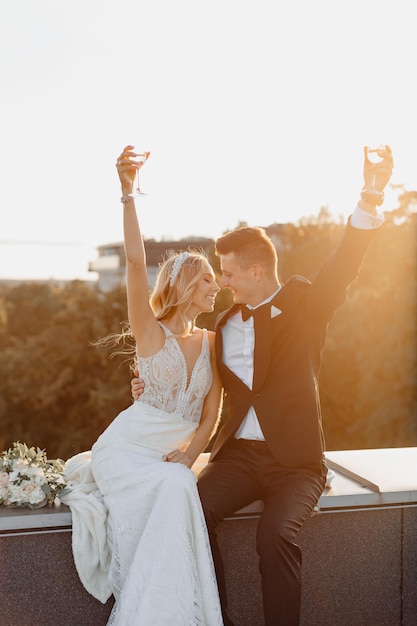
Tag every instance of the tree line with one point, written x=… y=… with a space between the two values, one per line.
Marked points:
x=59 y=392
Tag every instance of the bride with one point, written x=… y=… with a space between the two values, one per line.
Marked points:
x=156 y=558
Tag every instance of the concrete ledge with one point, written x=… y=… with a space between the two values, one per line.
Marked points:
x=359 y=554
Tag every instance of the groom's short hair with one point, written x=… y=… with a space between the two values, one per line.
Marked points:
x=250 y=245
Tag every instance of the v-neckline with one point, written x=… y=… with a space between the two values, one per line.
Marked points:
x=187 y=370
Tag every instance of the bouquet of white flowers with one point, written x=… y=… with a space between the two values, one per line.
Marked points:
x=28 y=479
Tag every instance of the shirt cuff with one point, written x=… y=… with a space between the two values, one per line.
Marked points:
x=365 y=221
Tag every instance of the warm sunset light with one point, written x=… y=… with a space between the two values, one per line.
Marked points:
x=208 y=297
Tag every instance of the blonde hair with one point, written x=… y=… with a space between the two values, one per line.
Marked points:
x=175 y=296
x=167 y=298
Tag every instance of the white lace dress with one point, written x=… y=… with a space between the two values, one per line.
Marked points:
x=161 y=571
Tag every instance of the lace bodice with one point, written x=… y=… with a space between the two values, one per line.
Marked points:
x=165 y=375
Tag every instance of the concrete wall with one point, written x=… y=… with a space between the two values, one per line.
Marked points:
x=359 y=569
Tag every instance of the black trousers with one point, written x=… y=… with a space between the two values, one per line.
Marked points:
x=244 y=471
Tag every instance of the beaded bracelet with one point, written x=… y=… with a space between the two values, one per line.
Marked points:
x=125 y=199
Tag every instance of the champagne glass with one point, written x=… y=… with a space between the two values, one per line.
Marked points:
x=140 y=158
x=374 y=156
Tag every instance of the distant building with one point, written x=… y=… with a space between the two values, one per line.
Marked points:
x=111 y=262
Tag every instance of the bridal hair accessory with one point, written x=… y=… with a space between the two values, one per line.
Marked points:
x=176 y=266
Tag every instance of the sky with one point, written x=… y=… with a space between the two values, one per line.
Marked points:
x=254 y=112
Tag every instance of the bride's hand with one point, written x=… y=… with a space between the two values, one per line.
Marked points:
x=127 y=167
x=177 y=456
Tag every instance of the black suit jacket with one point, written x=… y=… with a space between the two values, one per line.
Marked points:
x=287 y=358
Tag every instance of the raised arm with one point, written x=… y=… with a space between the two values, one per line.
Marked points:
x=141 y=318
x=330 y=285
x=376 y=176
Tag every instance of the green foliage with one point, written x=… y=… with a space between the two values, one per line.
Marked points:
x=56 y=390
x=369 y=374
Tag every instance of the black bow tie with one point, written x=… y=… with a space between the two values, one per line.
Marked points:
x=246 y=313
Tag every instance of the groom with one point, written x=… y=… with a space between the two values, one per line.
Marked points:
x=272 y=447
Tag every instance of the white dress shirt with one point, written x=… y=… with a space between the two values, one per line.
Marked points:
x=239 y=338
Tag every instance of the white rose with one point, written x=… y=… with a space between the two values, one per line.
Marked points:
x=36 y=496
x=26 y=493
x=15 y=494
x=37 y=475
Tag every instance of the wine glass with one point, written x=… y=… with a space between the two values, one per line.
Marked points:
x=140 y=158
x=374 y=156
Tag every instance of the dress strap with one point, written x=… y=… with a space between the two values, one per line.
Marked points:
x=165 y=329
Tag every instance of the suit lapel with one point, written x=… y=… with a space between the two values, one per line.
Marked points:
x=263 y=344
x=263 y=335
x=288 y=296
x=220 y=322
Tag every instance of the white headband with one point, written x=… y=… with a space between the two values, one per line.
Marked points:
x=176 y=266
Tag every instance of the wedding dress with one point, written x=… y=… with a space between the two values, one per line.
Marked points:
x=161 y=571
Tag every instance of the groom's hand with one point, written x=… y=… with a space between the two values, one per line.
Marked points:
x=177 y=456
x=378 y=174
x=138 y=385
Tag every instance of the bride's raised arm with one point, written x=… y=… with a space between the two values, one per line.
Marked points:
x=141 y=318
